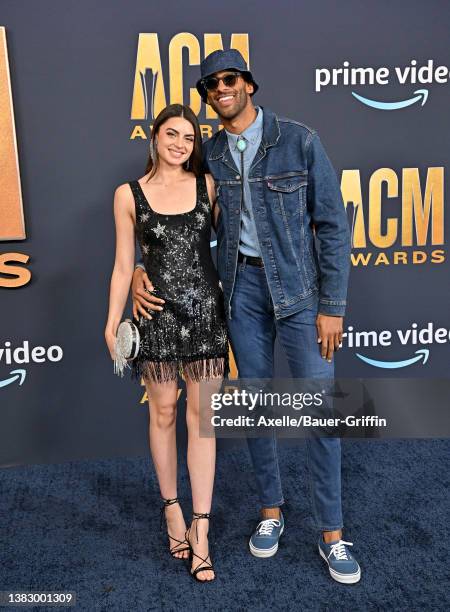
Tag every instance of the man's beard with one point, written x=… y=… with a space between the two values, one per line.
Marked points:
x=232 y=113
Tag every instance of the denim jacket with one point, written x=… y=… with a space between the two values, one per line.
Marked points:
x=300 y=218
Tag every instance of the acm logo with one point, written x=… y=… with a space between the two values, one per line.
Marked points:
x=401 y=222
x=12 y=223
x=151 y=87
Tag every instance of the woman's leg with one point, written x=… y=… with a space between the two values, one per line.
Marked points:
x=162 y=399
x=201 y=464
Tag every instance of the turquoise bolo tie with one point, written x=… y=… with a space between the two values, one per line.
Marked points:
x=241 y=145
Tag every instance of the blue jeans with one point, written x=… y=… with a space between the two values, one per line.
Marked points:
x=253 y=329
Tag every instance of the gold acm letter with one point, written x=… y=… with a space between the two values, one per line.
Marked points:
x=12 y=224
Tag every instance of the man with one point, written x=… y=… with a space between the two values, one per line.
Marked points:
x=278 y=197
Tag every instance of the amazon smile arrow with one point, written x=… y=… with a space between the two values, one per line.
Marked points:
x=422 y=94
x=16 y=375
x=391 y=365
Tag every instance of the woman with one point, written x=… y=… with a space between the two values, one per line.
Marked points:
x=169 y=209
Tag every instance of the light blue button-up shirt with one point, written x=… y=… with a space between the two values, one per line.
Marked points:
x=248 y=244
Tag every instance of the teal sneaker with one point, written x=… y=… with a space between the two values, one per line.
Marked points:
x=264 y=540
x=342 y=565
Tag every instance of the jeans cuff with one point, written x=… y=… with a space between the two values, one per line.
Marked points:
x=332 y=528
x=273 y=504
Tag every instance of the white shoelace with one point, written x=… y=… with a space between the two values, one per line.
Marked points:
x=266 y=527
x=338 y=550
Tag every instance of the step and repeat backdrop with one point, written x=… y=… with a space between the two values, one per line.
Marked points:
x=80 y=85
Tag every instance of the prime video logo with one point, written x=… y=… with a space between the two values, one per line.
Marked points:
x=425 y=336
x=412 y=75
x=22 y=354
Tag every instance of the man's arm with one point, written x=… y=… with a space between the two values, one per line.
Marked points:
x=328 y=214
x=141 y=285
x=140 y=263
x=327 y=209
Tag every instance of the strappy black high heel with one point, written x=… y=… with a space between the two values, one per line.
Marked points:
x=204 y=563
x=175 y=549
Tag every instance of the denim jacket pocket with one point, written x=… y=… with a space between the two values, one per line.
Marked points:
x=287 y=193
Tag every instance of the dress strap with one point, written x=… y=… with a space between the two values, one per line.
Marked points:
x=140 y=202
x=134 y=186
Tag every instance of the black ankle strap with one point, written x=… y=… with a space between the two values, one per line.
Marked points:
x=167 y=502
x=199 y=515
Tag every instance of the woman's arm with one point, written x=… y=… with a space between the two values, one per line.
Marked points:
x=213 y=199
x=123 y=264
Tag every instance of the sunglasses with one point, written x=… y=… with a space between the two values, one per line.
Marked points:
x=211 y=83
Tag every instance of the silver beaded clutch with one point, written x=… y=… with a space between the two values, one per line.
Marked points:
x=126 y=347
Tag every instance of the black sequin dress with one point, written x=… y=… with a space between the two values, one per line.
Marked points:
x=189 y=336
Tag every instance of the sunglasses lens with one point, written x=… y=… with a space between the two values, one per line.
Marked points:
x=211 y=83
x=229 y=80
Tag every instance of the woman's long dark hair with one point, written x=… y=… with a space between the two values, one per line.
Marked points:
x=195 y=161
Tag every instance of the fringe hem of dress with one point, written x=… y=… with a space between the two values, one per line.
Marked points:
x=201 y=369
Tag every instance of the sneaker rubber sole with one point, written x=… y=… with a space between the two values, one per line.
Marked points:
x=343 y=578
x=263 y=553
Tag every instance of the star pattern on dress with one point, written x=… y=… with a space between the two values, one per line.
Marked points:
x=167 y=316
x=200 y=217
x=144 y=217
x=159 y=230
x=205 y=207
x=185 y=333
x=145 y=249
x=167 y=276
x=193 y=293
x=221 y=337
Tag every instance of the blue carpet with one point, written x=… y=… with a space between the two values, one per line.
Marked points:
x=93 y=527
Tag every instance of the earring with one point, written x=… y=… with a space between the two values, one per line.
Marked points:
x=153 y=151
x=187 y=163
